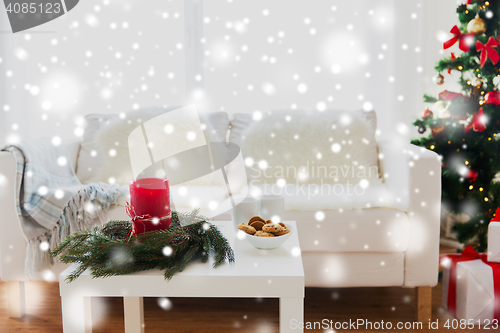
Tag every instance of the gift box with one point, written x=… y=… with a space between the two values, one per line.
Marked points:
x=494 y=242
x=478 y=290
x=449 y=264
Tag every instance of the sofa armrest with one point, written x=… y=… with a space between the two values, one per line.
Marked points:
x=393 y=163
x=12 y=240
x=424 y=212
x=413 y=175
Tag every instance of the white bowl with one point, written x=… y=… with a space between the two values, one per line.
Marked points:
x=267 y=243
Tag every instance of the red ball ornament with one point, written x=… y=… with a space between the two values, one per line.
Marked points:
x=493 y=97
x=472 y=175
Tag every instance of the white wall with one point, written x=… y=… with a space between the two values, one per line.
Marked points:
x=97 y=58
x=78 y=83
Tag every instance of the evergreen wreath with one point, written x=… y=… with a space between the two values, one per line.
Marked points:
x=108 y=250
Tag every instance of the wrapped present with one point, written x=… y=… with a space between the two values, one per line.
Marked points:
x=494 y=241
x=449 y=263
x=478 y=290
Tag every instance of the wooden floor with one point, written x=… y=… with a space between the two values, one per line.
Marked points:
x=226 y=315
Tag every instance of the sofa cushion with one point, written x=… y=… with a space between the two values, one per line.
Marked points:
x=96 y=163
x=89 y=157
x=356 y=230
x=314 y=197
x=241 y=121
x=219 y=123
x=239 y=124
x=311 y=147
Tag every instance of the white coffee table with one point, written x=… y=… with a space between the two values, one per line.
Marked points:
x=278 y=273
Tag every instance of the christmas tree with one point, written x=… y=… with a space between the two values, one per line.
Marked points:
x=464 y=125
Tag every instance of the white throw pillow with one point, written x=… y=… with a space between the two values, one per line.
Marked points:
x=113 y=146
x=89 y=157
x=241 y=121
x=239 y=124
x=219 y=122
x=311 y=148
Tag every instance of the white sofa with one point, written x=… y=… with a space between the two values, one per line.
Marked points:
x=368 y=247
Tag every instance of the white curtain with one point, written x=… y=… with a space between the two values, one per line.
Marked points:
x=236 y=56
x=106 y=56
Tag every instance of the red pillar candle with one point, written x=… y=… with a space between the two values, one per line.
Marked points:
x=150 y=196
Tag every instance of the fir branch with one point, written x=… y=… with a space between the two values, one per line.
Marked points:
x=108 y=251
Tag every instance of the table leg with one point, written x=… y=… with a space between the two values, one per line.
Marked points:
x=134 y=314
x=76 y=315
x=291 y=314
x=16 y=299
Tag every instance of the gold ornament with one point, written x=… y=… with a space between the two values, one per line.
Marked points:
x=478 y=82
x=477 y=26
x=444 y=114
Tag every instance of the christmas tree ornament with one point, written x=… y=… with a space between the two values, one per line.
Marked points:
x=493 y=97
x=421 y=129
x=487 y=51
x=438 y=79
x=472 y=175
x=444 y=114
x=439 y=107
x=462 y=38
x=428 y=114
x=477 y=123
x=452 y=58
x=478 y=82
x=477 y=26
x=437 y=129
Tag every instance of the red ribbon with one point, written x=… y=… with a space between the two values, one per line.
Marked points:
x=145 y=223
x=470 y=254
x=458 y=36
x=487 y=51
x=495 y=267
x=477 y=123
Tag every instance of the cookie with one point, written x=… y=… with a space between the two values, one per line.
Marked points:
x=282 y=231
x=282 y=224
x=256 y=218
x=271 y=227
x=247 y=228
x=261 y=233
x=257 y=225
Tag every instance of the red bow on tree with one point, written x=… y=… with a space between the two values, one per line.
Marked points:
x=463 y=39
x=477 y=122
x=487 y=51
